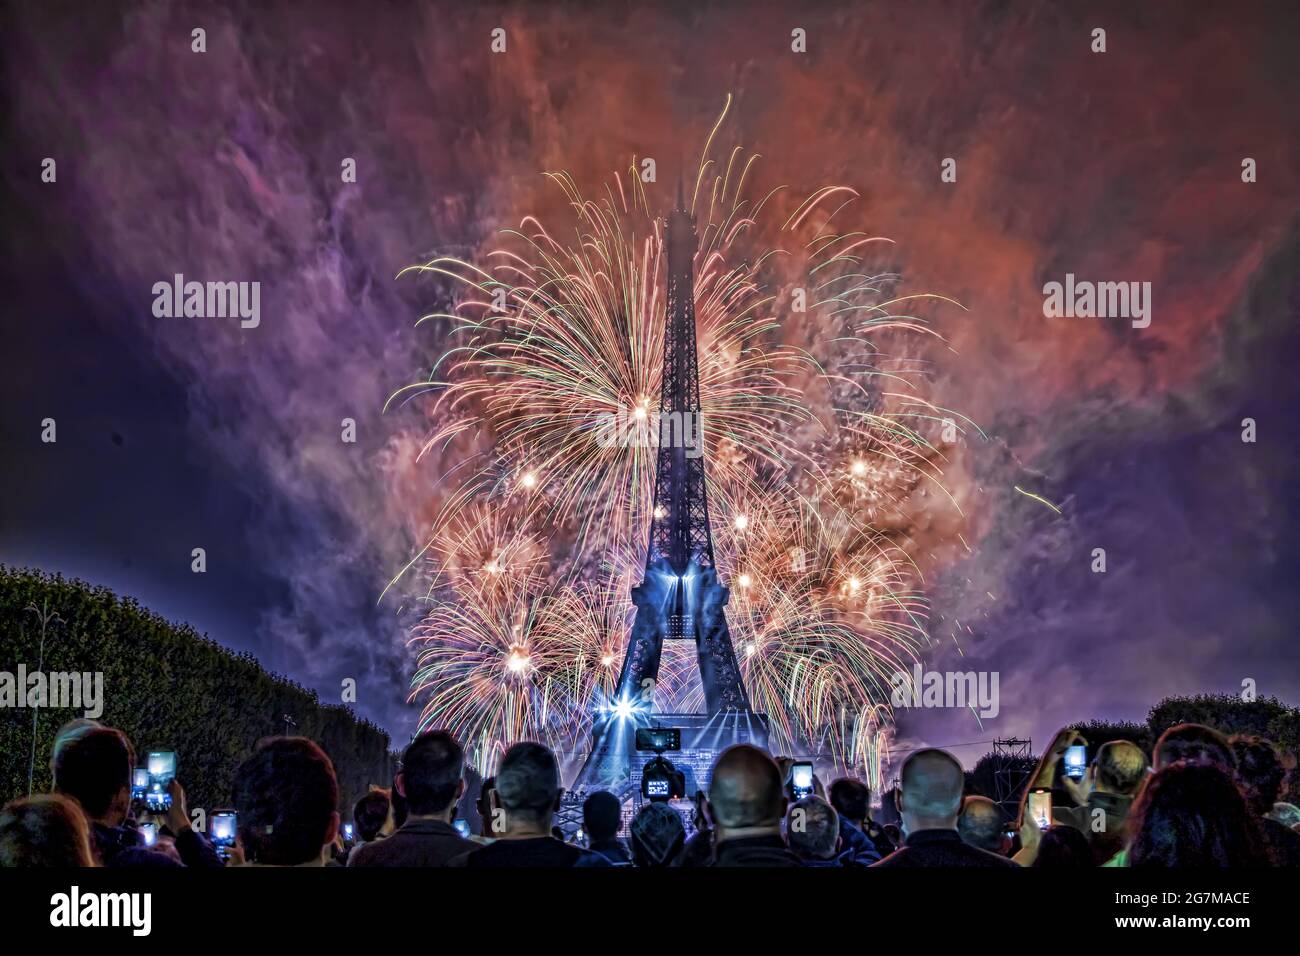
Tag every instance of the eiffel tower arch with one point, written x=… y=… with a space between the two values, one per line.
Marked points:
x=680 y=597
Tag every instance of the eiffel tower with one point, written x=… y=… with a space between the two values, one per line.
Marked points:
x=680 y=597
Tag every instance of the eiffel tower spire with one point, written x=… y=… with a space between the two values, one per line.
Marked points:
x=679 y=530
x=680 y=596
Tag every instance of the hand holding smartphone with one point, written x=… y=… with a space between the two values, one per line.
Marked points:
x=801 y=779
x=160 y=769
x=139 y=783
x=1040 y=808
x=1076 y=761
x=223 y=828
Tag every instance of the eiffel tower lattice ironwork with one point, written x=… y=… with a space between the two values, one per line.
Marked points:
x=680 y=596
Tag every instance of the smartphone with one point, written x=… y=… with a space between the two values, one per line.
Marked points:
x=1040 y=807
x=348 y=831
x=462 y=827
x=801 y=779
x=223 y=825
x=1076 y=761
x=150 y=833
x=161 y=767
x=139 y=782
x=658 y=739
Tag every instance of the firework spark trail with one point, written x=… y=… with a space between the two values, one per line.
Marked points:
x=1038 y=498
x=545 y=400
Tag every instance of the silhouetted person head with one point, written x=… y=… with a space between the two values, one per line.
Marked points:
x=1194 y=743
x=981 y=824
x=656 y=834
x=747 y=792
x=47 y=830
x=69 y=732
x=370 y=814
x=929 y=791
x=812 y=829
x=484 y=805
x=400 y=808
x=1119 y=767
x=602 y=816
x=467 y=804
x=1061 y=847
x=432 y=777
x=286 y=795
x=527 y=792
x=851 y=800
x=93 y=766
x=1259 y=773
x=1192 y=815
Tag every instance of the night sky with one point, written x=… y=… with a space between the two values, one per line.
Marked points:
x=183 y=433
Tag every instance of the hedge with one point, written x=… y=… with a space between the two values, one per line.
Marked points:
x=169 y=688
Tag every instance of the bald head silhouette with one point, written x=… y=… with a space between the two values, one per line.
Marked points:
x=1121 y=766
x=746 y=790
x=930 y=789
x=981 y=824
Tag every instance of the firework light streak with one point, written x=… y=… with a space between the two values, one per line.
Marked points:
x=545 y=400
x=1038 y=498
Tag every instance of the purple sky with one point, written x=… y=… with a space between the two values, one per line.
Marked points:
x=176 y=434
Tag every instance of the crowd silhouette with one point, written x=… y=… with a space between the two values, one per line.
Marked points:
x=1200 y=800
